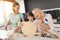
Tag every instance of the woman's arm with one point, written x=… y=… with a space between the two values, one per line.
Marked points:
x=47 y=27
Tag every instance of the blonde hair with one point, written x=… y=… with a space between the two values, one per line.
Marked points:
x=37 y=10
x=15 y=4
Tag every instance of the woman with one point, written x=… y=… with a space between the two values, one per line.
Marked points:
x=40 y=16
x=42 y=22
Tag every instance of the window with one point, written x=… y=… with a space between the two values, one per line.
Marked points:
x=5 y=10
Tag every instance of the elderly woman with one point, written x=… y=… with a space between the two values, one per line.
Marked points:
x=43 y=22
x=39 y=15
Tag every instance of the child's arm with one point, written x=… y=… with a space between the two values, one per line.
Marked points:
x=23 y=19
x=19 y=27
x=5 y=26
x=16 y=30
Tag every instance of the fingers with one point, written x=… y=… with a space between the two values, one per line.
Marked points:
x=5 y=28
x=20 y=24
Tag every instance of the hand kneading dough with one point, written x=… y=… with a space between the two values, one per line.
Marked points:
x=28 y=28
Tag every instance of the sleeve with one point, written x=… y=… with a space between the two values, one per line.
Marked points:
x=21 y=16
x=46 y=23
x=50 y=21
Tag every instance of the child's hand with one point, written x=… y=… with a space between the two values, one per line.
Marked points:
x=5 y=28
x=19 y=24
x=37 y=23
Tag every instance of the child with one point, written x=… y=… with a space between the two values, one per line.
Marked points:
x=15 y=17
x=30 y=17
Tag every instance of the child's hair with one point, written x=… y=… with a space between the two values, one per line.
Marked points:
x=15 y=4
x=30 y=14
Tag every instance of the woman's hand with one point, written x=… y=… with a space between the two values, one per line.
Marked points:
x=44 y=26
